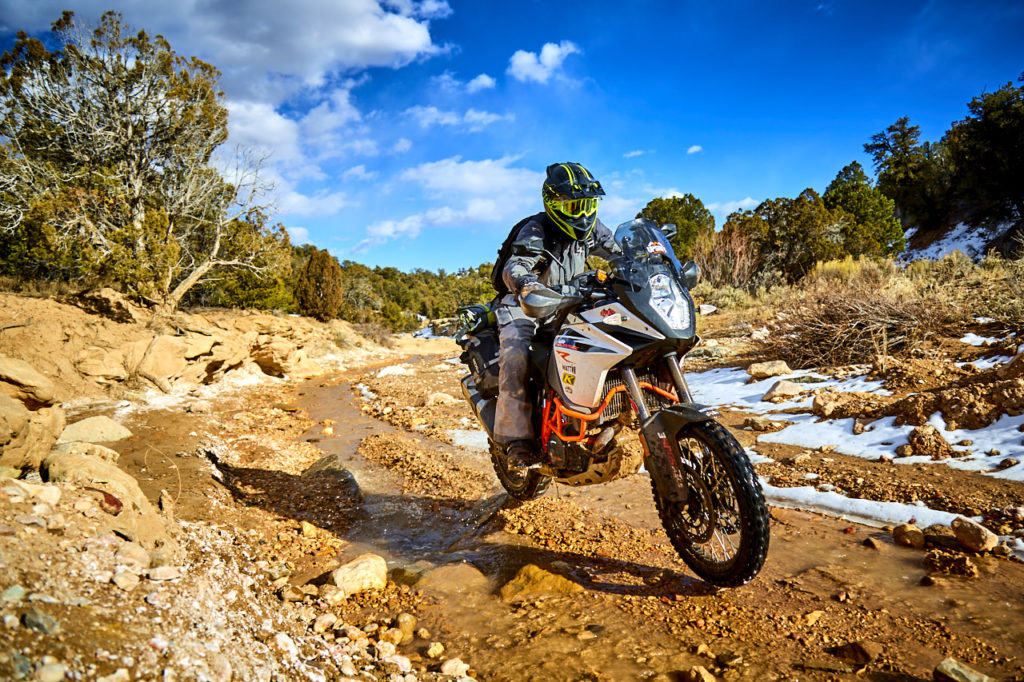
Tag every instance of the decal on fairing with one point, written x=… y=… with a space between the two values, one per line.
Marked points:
x=655 y=248
x=568 y=379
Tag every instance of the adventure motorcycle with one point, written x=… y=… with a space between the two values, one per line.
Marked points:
x=600 y=356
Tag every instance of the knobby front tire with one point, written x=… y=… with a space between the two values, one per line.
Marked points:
x=722 y=531
x=522 y=485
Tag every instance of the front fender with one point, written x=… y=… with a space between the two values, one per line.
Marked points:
x=661 y=444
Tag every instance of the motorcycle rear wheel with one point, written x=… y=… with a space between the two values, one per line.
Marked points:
x=722 y=531
x=522 y=485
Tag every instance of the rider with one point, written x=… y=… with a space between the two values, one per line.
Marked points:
x=550 y=249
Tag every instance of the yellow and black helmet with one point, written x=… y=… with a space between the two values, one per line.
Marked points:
x=570 y=198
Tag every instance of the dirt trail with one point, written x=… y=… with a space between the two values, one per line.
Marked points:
x=308 y=476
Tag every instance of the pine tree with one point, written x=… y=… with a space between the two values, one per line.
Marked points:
x=318 y=291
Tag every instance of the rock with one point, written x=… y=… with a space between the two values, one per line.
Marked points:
x=765 y=370
x=1007 y=463
x=952 y=670
x=1014 y=369
x=40 y=622
x=142 y=523
x=859 y=652
x=161 y=573
x=706 y=309
x=927 y=441
x=797 y=460
x=905 y=450
x=102 y=363
x=440 y=399
x=51 y=672
x=941 y=536
x=908 y=535
x=164 y=360
x=973 y=535
x=14 y=593
x=21 y=381
x=728 y=660
x=455 y=579
x=126 y=580
x=46 y=493
x=435 y=650
x=286 y=646
x=364 y=573
x=393 y=635
x=454 y=667
x=406 y=622
x=90 y=449
x=872 y=543
x=324 y=622
x=26 y=437
x=290 y=593
x=761 y=423
x=698 y=673
x=95 y=430
x=119 y=675
x=532 y=580
x=133 y=556
x=781 y=390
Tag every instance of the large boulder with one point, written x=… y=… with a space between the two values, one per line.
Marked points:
x=102 y=363
x=21 y=381
x=137 y=520
x=927 y=441
x=26 y=436
x=974 y=536
x=782 y=391
x=164 y=360
x=95 y=430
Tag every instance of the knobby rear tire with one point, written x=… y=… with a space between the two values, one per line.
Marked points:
x=520 y=485
x=748 y=522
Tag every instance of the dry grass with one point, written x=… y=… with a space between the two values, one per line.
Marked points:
x=851 y=311
x=375 y=332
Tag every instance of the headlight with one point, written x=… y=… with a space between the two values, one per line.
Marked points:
x=669 y=302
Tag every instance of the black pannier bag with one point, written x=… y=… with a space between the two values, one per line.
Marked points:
x=478 y=337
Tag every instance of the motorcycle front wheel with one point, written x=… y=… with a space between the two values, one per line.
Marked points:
x=522 y=485
x=721 y=532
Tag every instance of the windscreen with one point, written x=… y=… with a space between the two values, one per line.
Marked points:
x=644 y=244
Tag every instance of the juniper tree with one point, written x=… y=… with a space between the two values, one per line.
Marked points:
x=108 y=164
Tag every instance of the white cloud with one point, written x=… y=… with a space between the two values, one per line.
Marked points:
x=527 y=66
x=473 y=119
x=489 y=177
x=630 y=155
x=402 y=145
x=731 y=206
x=486 y=191
x=694 y=149
x=449 y=83
x=481 y=82
x=358 y=173
x=298 y=235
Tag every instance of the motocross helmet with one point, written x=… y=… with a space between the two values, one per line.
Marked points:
x=570 y=198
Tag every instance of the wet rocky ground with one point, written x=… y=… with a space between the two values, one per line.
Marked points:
x=272 y=487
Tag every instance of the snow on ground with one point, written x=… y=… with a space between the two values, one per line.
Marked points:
x=976 y=340
x=471 y=439
x=728 y=387
x=968 y=240
x=395 y=370
x=868 y=512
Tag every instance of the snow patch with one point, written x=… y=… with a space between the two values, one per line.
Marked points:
x=395 y=370
x=976 y=340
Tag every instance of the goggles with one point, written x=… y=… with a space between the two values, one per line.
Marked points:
x=575 y=208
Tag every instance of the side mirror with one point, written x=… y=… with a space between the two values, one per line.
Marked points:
x=691 y=273
x=540 y=302
x=670 y=230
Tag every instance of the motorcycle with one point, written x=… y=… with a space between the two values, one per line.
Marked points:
x=606 y=357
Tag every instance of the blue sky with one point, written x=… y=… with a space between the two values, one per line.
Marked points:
x=414 y=133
